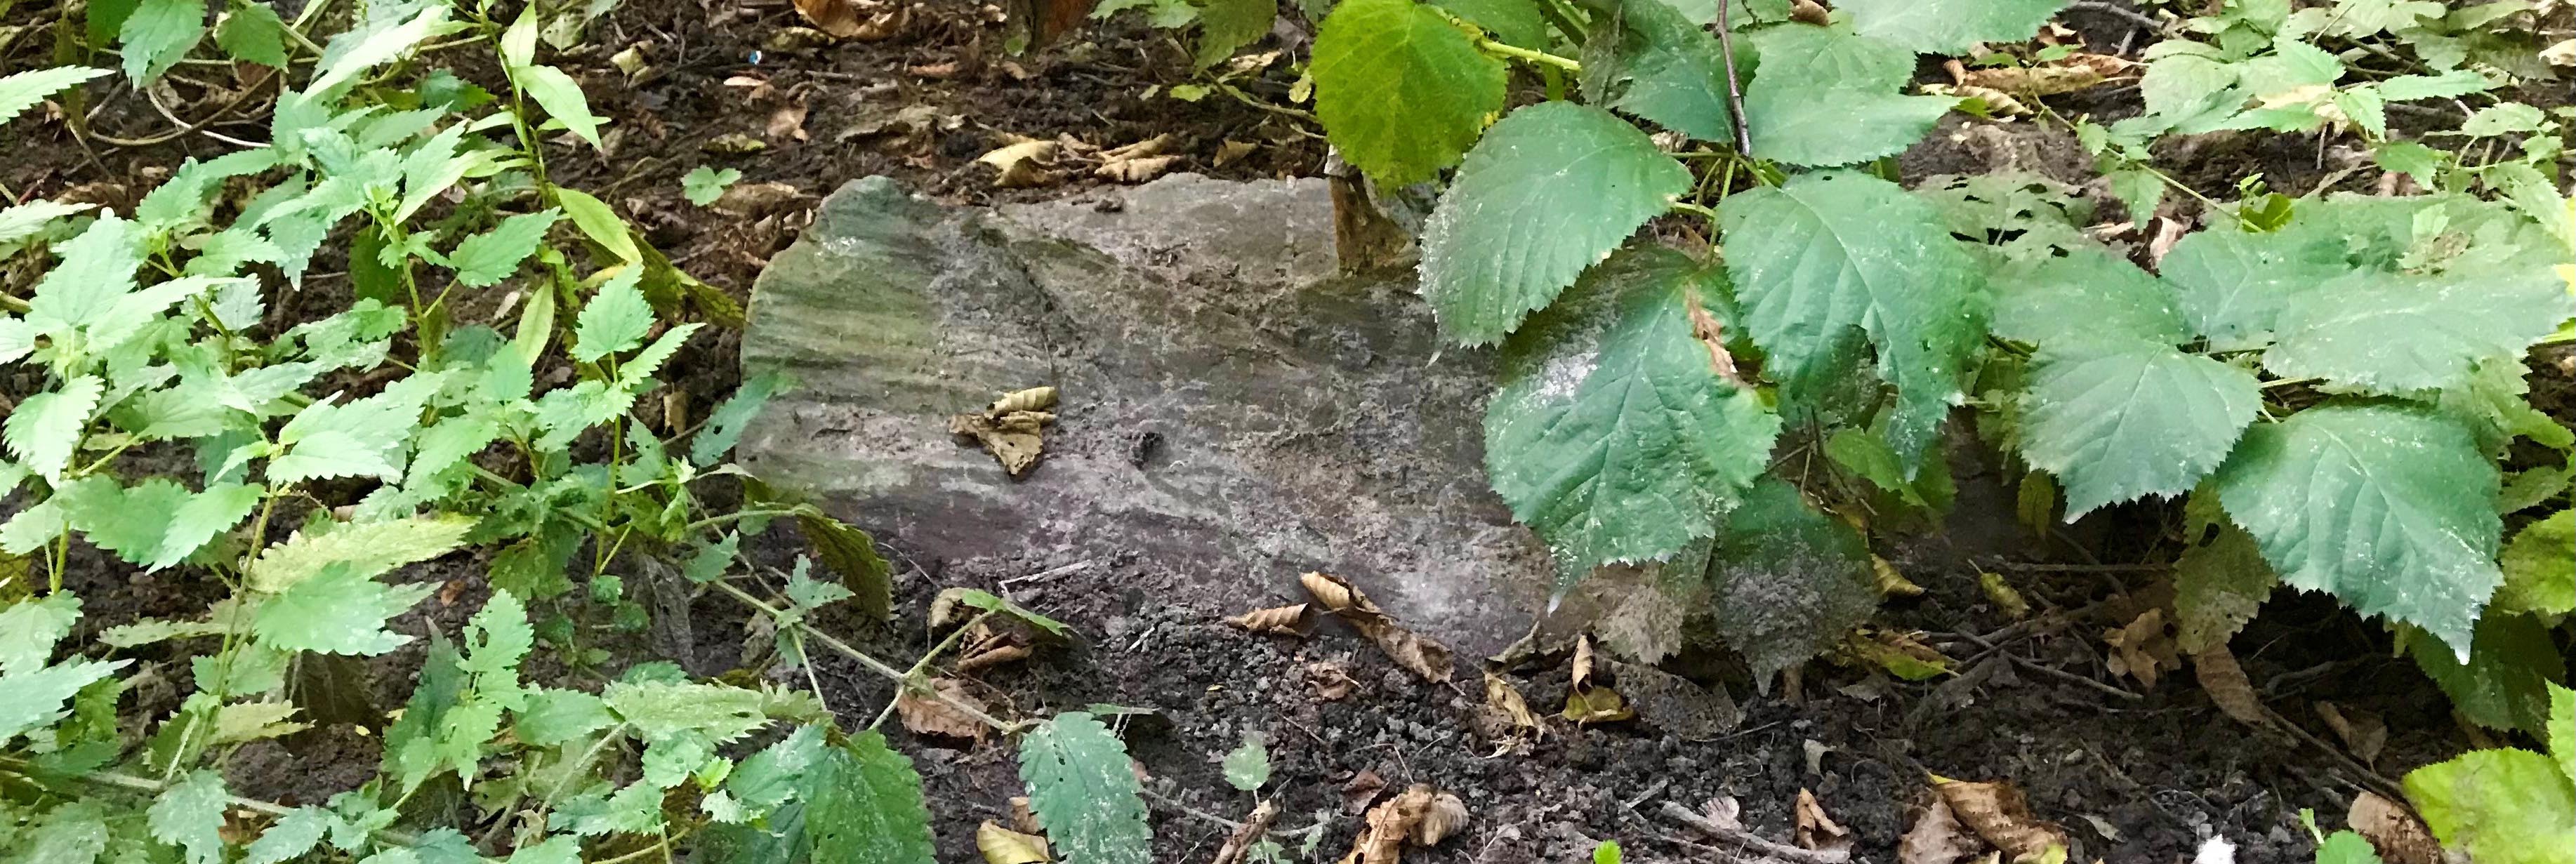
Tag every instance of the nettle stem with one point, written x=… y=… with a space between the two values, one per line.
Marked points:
x=873 y=664
x=1525 y=55
x=918 y=666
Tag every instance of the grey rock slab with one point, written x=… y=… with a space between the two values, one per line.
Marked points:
x=1232 y=410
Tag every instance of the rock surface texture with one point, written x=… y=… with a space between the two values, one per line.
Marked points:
x=1232 y=408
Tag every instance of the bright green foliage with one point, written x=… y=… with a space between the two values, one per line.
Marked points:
x=1516 y=22
x=2116 y=421
x=489 y=257
x=1228 y=25
x=1400 y=90
x=252 y=33
x=2540 y=568
x=190 y=815
x=2505 y=682
x=1788 y=581
x=2235 y=284
x=704 y=184
x=336 y=611
x=1550 y=191
x=562 y=99
x=725 y=424
x=2387 y=333
x=23 y=90
x=158 y=34
x=2389 y=507
x=1613 y=435
x=2562 y=729
x=1083 y=793
x=987 y=601
x=1669 y=70
x=366 y=548
x=2345 y=847
x=1949 y=26
x=1606 y=853
x=864 y=804
x=1827 y=260
x=614 y=321
x=2502 y=806
x=1824 y=97
x=599 y=223
x=1248 y=766
x=43 y=430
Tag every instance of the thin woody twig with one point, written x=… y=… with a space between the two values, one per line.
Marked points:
x=1734 y=86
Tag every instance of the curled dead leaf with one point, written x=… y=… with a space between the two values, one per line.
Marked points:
x=2070 y=74
x=1137 y=170
x=1597 y=705
x=1286 y=620
x=1013 y=427
x=1362 y=789
x=1505 y=701
x=2000 y=815
x=994 y=655
x=1443 y=818
x=1415 y=652
x=1808 y=12
x=1421 y=814
x=1031 y=399
x=1230 y=152
x=928 y=714
x=2004 y=596
x=754 y=200
x=1712 y=333
x=2143 y=648
x=2398 y=834
x=1023 y=819
x=787 y=122
x=1997 y=103
x=1938 y=837
x=1004 y=846
x=1328 y=680
x=1890 y=582
x=1817 y=831
x=2226 y=684
x=1023 y=163
x=2362 y=732
x=1239 y=844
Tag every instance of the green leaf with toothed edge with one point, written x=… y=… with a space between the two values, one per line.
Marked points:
x=2118 y=420
x=23 y=90
x=1949 y=26
x=1084 y=793
x=1400 y=90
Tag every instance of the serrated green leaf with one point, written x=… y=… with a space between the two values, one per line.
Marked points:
x=2562 y=729
x=1828 y=259
x=2504 y=684
x=205 y=515
x=31 y=528
x=614 y=321
x=251 y=721
x=73 y=833
x=2389 y=507
x=1248 y=767
x=29 y=629
x=1515 y=22
x=660 y=709
x=97 y=270
x=489 y=257
x=2179 y=86
x=1083 y=792
x=553 y=717
x=562 y=98
x=2501 y=806
x=361 y=49
x=23 y=90
x=1788 y=581
x=289 y=837
x=2234 y=284
x=1553 y=189
x=1824 y=97
x=1400 y=90
x=864 y=803
x=157 y=35
x=2086 y=295
x=2539 y=568
x=45 y=428
x=725 y=424
x=190 y=815
x=1674 y=75
x=1949 y=26
x=2218 y=586
x=126 y=521
x=704 y=184
x=852 y=554
x=336 y=611
x=496 y=639
x=600 y=223
x=1612 y=435
x=1228 y=25
x=2345 y=847
x=2117 y=420
x=251 y=33
x=35 y=699
x=366 y=548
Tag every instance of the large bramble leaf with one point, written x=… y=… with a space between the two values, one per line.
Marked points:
x=1553 y=189
x=863 y=803
x=336 y=611
x=2085 y=295
x=2505 y=682
x=2234 y=284
x=2562 y=729
x=1664 y=69
x=1401 y=91
x=367 y=548
x=1825 y=97
x=23 y=90
x=489 y=257
x=2501 y=806
x=2388 y=506
x=2119 y=420
x=190 y=815
x=1084 y=793
x=43 y=430
x=1789 y=581
x=1515 y=22
x=2391 y=333
x=1949 y=26
x=2540 y=568
x=1826 y=260
x=158 y=34
x=1612 y=434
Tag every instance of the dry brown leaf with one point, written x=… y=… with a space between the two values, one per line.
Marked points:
x=1817 y=831
x=788 y=122
x=1892 y=583
x=2169 y=232
x=1136 y=170
x=992 y=656
x=1505 y=700
x=1013 y=427
x=1329 y=681
x=1938 y=837
x=1284 y=620
x=2362 y=732
x=1023 y=163
x=1808 y=12
x=1031 y=399
x=1023 y=819
x=1004 y=846
x=1230 y=152
x=840 y=18
x=856 y=19
x=1712 y=333
x=1389 y=824
x=2395 y=831
x=2074 y=73
x=2561 y=54
x=929 y=715
x=1582 y=671
x=754 y=200
x=2143 y=648
x=1362 y=789
x=2226 y=684
x=1254 y=827
x=2000 y=815
x=1997 y=102
x=2004 y=596
x=1410 y=650
x=1443 y=818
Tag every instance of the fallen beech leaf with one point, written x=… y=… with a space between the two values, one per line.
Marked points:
x=1505 y=700
x=1997 y=102
x=1032 y=399
x=1284 y=620
x=1136 y=170
x=1817 y=831
x=787 y=122
x=837 y=17
x=1329 y=681
x=1362 y=789
x=929 y=715
x=2398 y=834
x=2362 y=732
x=1938 y=837
x=2143 y=648
x=2226 y=684
x=856 y=19
x=1389 y=823
x=1999 y=814
x=1410 y=650
x=2076 y=72
x=754 y=200
x=1023 y=163
x=2000 y=590
x=1444 y=817
x=1582 y=670
x=1230 y=152
x=1004 y=846
x=1013 y=427
x=1808 y=12
x=734 y=143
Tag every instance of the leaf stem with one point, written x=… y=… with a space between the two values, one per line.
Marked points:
x=924 y=663
x=1526 y=55
x=873 y=664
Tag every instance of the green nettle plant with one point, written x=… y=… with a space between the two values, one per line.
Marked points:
x=156 y=337
x=2330 y=382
